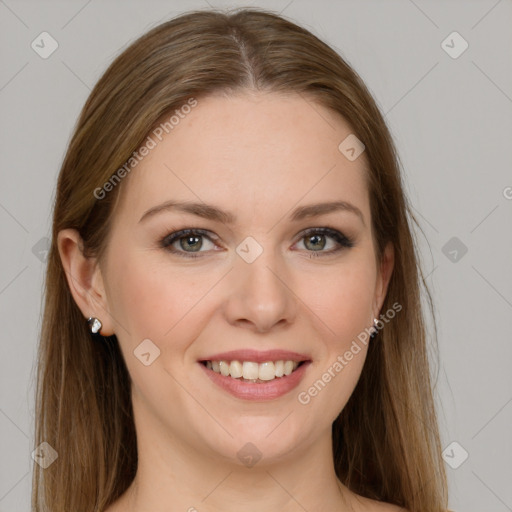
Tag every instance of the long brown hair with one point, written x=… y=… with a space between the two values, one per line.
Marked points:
x=385 y=441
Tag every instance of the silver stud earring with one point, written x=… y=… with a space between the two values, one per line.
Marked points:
x=94 y=325
x=375 y=329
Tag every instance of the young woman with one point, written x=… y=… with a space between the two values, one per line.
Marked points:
x=233 y=317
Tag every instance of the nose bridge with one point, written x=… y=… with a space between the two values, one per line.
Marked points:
x=259 y=295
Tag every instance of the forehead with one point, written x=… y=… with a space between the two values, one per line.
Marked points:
x=256 y=152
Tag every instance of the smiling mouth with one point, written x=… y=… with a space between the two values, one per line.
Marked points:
x=250 y=371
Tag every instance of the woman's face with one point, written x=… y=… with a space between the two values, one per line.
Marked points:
x=252 y=281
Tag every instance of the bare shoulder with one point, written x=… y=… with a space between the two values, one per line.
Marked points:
x=380 y=506
x=362 y=504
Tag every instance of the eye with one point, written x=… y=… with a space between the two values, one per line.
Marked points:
x=316 y=239
x=187 y=242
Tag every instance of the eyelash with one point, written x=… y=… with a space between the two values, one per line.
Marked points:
x=344 y=242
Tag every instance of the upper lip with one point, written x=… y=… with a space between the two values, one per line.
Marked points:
x=257 y=356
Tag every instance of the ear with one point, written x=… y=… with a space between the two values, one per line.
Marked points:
x=384 y=275
x=84 y=279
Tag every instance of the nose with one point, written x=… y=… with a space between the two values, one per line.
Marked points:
x=260 y=294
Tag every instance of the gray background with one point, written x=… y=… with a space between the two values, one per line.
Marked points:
x=452 y=121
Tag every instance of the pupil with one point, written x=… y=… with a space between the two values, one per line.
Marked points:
x=317 y=238
x=196 y=241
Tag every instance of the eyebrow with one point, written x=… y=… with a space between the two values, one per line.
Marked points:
x=214 y=213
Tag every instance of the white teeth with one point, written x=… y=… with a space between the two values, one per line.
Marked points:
x=267 y=371
x=250 y=370
x=235 y=369
x=224 y=368
x=288 y=367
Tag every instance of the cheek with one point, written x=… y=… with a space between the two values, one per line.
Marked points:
x=154 y=300
x=332 y=382
x=342 y=297
x=344 y=304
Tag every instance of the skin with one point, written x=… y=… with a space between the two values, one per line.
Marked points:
x=258 y=156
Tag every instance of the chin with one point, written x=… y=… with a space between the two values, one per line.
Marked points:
x=259 y=439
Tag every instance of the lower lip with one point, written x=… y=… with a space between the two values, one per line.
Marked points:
x=258 y=391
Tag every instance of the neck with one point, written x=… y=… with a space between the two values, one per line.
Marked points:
x=173 y=476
